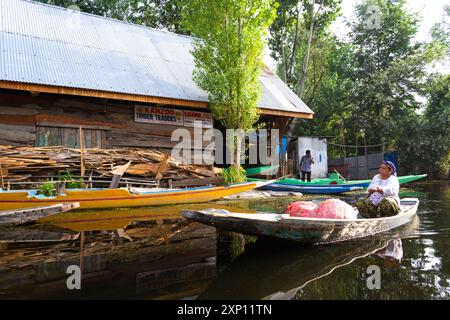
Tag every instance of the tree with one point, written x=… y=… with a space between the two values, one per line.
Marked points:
x=328 y=86
x=437 y=128
x=229 y=40
x=425 y=143
x=297 y=34
x=370 y=84
x=389 y=70
x=441 y=31
x=298 y=25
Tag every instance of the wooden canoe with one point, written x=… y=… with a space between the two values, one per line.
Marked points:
x=310 y=189
x=21 y=216
x=337 y=181
x=306 y=230
x=261 y=170
x=121 y=197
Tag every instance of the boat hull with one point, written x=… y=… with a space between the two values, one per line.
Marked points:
x=118 y=198
x=310 y=189
x=326 y=182
x=306 y=230
x=261 y=170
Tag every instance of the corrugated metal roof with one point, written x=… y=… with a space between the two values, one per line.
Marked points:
x=48 y=45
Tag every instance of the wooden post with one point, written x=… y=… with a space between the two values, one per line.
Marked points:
x=367 y=157
x=357 y=160
x=82 y=170
x=281 y=124
x=1 y=175
x=343 y=147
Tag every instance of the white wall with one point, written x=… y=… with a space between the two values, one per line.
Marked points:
x=318 y=149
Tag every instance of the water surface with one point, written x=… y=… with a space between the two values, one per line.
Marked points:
x=153 y=253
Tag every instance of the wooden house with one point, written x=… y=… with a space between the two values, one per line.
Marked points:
x=126 y=85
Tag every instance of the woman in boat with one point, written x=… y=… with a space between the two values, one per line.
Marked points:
x=382 y=199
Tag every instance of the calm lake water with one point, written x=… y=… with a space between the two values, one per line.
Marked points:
x=153 y=253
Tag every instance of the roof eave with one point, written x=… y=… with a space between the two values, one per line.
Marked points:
x=133 y=97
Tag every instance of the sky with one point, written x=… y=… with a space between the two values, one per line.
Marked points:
x=430 y=12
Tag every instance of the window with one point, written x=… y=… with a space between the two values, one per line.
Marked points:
x=69 y=137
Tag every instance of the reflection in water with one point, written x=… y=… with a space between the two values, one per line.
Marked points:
x=271 y=269
x=154 y=253
x=278 y=270
x=145 y=264
x=393 y=251
x=89 y=220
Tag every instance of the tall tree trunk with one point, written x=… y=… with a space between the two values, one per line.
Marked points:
x=294 y=46
x=302 y=78
x=283 y=55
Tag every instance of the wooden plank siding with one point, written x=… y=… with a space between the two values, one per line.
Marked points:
x=16 y=135
x=55 y=120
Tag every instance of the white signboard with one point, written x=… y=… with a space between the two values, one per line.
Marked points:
x=172 y=116
x=158 y=115
x=193 y=118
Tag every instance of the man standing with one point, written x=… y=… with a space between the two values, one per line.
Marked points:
x=305 y=165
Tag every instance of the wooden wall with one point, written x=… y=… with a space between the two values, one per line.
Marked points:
x=25 y=119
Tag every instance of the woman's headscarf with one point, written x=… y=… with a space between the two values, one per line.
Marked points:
x=391 y=166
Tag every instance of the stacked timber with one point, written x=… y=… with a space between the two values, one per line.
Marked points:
x=26 y=163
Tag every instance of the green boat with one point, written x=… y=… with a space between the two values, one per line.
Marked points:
x=335 y=179
x=261 y=170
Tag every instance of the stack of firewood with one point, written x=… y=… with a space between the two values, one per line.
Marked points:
x=23 y=163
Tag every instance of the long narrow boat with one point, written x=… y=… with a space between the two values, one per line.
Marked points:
x=306 y=230
x=22 y=216
x=261 y=170
x=330 y=189
x=335 y=180
x=119 y=198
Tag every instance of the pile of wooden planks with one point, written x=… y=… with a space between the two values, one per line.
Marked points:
x=25 y=163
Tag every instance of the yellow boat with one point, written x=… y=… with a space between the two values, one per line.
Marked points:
x=120 y=197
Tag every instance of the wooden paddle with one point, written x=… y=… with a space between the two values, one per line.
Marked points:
x=340 y=175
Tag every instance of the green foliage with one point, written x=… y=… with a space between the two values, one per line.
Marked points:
x=229 y=40
x=233 y=174
x=67 y=176
x=47 y=189
x=289 y=35
x=425 y=143
x=228 y=51
x=441 y=31
x=367 y=85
